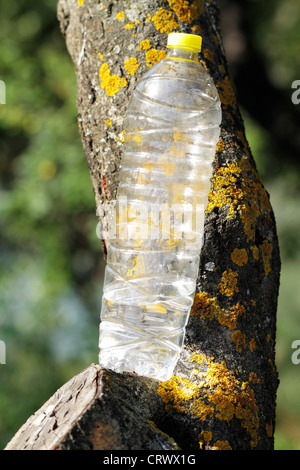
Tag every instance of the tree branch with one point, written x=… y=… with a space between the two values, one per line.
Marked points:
x=223 y=392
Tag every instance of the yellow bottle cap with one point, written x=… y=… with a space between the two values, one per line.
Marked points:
x=185 y=41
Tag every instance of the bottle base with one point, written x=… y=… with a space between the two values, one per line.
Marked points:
x=119 y=362
x=143 y=344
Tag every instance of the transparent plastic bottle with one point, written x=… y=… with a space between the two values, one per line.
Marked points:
x=172 y=128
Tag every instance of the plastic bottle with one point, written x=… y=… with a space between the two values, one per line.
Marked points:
x=172 y=128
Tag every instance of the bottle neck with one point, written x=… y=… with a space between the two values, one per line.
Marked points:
x=183 y=54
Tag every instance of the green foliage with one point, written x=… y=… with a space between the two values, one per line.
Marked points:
x=50 y=258
x=276 y=35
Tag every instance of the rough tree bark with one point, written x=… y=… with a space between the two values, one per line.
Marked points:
x=223 y=392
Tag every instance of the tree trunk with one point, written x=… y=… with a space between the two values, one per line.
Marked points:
x=223 y=392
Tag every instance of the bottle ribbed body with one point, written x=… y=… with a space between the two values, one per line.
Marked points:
x=172 y=128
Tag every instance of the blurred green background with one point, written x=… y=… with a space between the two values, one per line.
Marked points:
x=51 y=263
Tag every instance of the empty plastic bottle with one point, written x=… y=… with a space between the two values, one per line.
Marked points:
x=172 y=128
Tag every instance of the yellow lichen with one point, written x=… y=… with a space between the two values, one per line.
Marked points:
x=220 y=395
x=157 y=430
x=204 y=438
x=226 y=91
x=197 y=29
x=108 y=122
x=252 y=344
x=222 y=69
x=220 y=146
x=255 y=252
x=129 y=26
x=80 y=2
x=207 y=54
x=121 y=16
x=164 y=21
x=238 y=188
x=104 y=72
x=207 y=307
x=221 y=380
x=228 y=284
x=232 y=316
x=202 y=410
x=223 y=189
x=221 y=445
x=200 y=358
x=239 y=256
x=186 y=12
x=239 y=339
x=145 y=45
x=153 y=56
x=234 y=399
x=100 y=56
x=266 y=250
x=253 y=378
x=131 y=65
x=177 y=391
x=111 y=83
